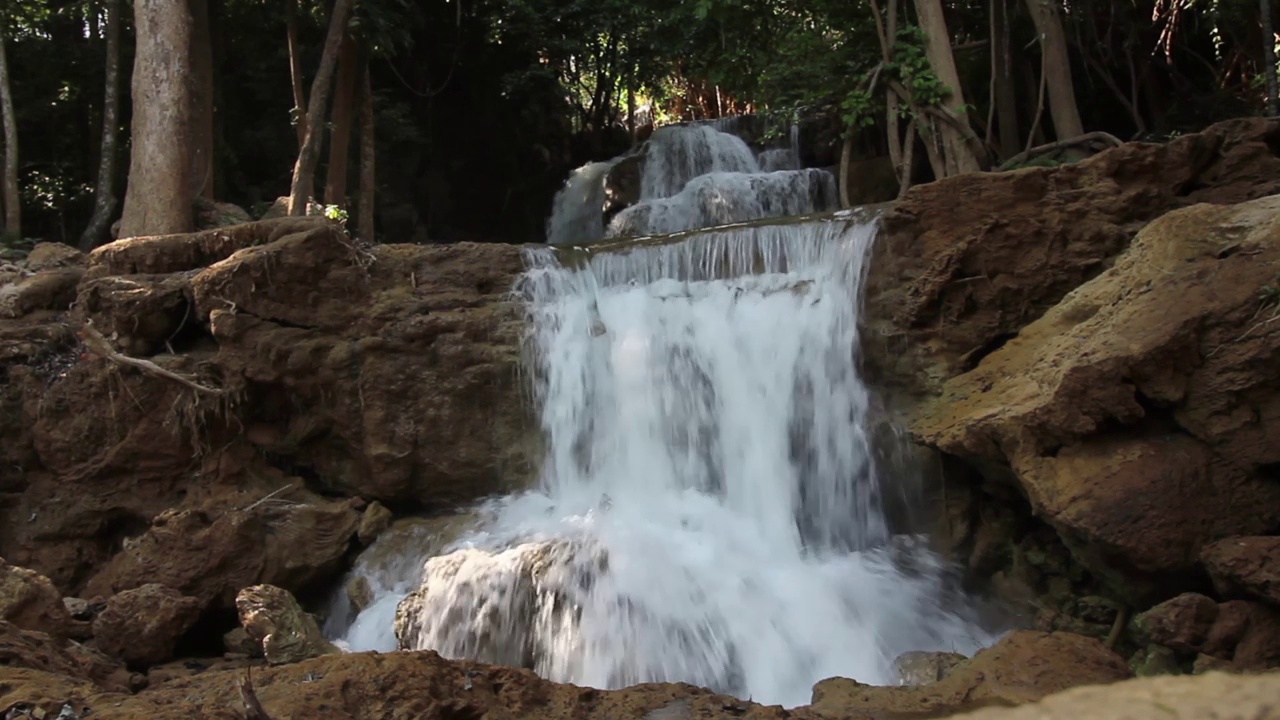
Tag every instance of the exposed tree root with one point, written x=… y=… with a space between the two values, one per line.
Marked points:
x=98 y=344
x=1039 y=150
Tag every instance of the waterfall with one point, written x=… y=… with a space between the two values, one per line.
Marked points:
x=709 y=509
x=694 y=176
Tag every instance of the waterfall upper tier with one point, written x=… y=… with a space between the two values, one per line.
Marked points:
x=687 y=177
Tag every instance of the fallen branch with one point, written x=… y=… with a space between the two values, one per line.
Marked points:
x=99 y=344
x=1117 y=628
x=1034 y=152
x=252 y=708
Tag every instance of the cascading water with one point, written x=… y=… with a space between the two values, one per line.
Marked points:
x=709 y=509
x=694 y=176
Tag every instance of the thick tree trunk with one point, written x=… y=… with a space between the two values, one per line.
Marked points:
x=957 y=155
x=1006 y=99
x=304 y=170
x=104 y=198
x=202 y=157
x=159 y=196
x=1269 y=58
x=343 y=117
x=12 y=200
x=1053 y=46
x=368 y=175
x=295 y=71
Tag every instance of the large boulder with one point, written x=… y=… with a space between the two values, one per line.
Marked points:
x=142 y=626
x=275 y=623
x=1141 y=415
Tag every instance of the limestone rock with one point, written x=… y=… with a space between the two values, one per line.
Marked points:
x=143 y=626
x=272 y=618
x=1155 y=660
x=922 y=668
x=1182 y=623
x=213 y=214
x=1248 y=565
x=37 y=651
x=31 y=602
x=1136 y=414
x=141 y=313
x=237 y=641
x=1023 y=667
x=212 y=555
x=373 y=522
x=50 y=255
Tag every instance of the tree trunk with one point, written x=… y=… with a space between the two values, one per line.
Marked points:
x=295 y=71
x=1006 y=99
x=368 y=147
x=202 y=158
x=12 y=200
x=344 y=111
x=104 y=198
x=1269 y=57
x=957 y=155
x=304 y=170
x=1053 y=46
x=159 y=197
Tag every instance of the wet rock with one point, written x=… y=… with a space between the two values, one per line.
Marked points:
x=143 y=626
x=359 y=592
x=212 y=553
x=1023 y=667
x=1182 y=623
x=1135 y=453
x=273 y=620
x=1245 y=566
x=922 y=668
x=373 y=522
x=31 y=602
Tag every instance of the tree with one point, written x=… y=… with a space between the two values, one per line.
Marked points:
x=1269 y=68
x=342 y=120
x=105 y=200
x=202 y=143
x=304 y=170
x=295 y=71
x=159 y=196
x=368 y=148
x=1056 y=69
x=12 y=198
x=951 y=126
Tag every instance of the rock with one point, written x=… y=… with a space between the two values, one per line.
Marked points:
x=1217 y=695
x=963 y=264
x=1259 y=646
x=51 y=255
x=1023 y=667
x=211 y=556
x=31 y=602
x=1181 y=623
x=161 y=254
x=1208 y=663
x=1137 y=453
x=143 y=626
x=1155 y=660
x=359 y=592
x=376 y=519
x=274 y=620
x=280 y=209
x=922 y=668
x=31 y=650
x=1245 y=565
x=213 y=214
x=52 y=290
x=236 y=641
x=141 y=313
x=622 y=184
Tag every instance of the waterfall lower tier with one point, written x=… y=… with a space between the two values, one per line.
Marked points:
x=709 y=510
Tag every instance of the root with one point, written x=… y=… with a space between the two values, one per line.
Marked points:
x=1122 y=621
x=1039 y=150
x=98 y=344
x=253 y=709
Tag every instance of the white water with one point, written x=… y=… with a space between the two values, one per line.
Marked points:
x=694 y=176
x=709 y=510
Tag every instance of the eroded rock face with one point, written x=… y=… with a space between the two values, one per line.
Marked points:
x=274 y=621
x=1182 y=623
x=142 y=626
x=385 y=373
x=1140 y=415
